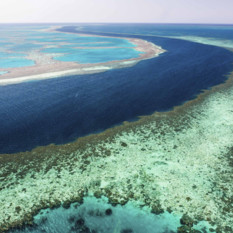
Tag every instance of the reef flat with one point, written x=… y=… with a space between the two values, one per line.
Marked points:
x=179 y=161
x=57 y=54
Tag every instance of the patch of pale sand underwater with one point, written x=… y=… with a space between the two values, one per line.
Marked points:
x=179 y=161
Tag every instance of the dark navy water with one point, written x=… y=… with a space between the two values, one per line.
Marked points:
x=61 y=110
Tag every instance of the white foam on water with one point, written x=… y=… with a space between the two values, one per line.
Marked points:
x=97 y=68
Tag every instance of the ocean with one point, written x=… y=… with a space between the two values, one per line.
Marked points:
x=61 y=110
x=162 y=171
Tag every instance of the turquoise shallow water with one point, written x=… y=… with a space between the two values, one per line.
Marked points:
x=13 y=62
x=4 y=55
x=70 y=38
x=85 y=56
x=4 y=44
x=3 y=72
x=94 y=44
x=25 y=47
x=96 y=215
x=28 y=39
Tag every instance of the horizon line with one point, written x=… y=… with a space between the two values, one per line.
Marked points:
x=188 y=23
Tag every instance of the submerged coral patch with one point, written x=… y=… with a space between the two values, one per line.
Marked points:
x=93 y=216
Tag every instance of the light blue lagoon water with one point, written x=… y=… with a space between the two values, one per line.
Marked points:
x=4 y=55
x=3 y=72
x=25 y=47
x=32 y=38
x=3 y=44
x=95 y=44
x=98 y=216
x=61 y=49
x=75 y=39
x=14 y=62
x=85 y=56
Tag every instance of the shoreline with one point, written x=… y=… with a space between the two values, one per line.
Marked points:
x=47 y=67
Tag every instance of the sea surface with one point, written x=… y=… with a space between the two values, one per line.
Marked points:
x=38 y=113
x=61 y=110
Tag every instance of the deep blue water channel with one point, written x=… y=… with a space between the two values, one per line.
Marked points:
x=63 y=109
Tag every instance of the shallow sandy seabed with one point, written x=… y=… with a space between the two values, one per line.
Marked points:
x=179 y=161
